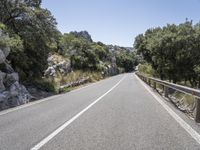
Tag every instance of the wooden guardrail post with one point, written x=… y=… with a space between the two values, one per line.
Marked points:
x=197 y=111
x=154 y=85
x=149 y=82
x=166 y=91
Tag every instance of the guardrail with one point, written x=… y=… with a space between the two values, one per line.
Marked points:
x=183 y=89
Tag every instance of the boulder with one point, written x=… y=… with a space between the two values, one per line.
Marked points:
x=8 y=68
x=2 y=77
x=14 y=89
x=18 y=95
x=2 y=57
x=6 y=51
x=57 y=64
x=24 y=96
x=3 y=101
x=50 y=71
x=11 y=78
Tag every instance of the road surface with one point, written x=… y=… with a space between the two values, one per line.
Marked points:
x=117 y=113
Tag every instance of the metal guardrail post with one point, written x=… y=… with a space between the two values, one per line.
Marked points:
x=166 y=91
x=197 y=111
x=183 y=89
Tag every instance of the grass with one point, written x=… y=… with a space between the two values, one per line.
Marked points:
x=79 y=74
x=54 y=84
x=68 y=89
x=187 y=99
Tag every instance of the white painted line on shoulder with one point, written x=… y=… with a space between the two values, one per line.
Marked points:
x=195 y=135
x=62 y=127
x=4 y=112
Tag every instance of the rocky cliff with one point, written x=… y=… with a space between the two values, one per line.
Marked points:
x=12 y=93
x=82 y=34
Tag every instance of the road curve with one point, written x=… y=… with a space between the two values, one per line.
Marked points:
x=125 y=117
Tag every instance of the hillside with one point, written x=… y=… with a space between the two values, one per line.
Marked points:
x=35 y=55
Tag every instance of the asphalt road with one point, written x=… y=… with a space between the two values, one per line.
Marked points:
x=114 y=114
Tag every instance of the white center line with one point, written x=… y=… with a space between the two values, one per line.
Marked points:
x=195 y=135
x=62 y=127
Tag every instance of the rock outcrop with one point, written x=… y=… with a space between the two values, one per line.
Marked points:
x=82 y=34
x=57 y=64
x=12 y=93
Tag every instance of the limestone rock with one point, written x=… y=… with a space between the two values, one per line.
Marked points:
x=12 y=93
x=57 y=64
x=11 y=78
x=8 y=68
x=2 y=57
x=82 y=34
x=2 y=76
x=6 y=51
x=3 y=101
x=18 y=95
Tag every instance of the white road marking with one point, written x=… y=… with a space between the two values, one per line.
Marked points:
x=195 y=135
x=62 y=127
x=4 y=112
x=27 y=105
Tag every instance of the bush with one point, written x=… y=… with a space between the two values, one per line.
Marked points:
x=146 y=69
x=46 y=85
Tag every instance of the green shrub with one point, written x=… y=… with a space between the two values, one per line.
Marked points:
x=146 y=69
x=46 y=85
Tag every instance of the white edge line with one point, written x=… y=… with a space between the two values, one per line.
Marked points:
x=62 y=127
x=9 y=110
x=195 y=135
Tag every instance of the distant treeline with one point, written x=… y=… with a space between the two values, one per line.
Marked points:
x=173 y=51
x=86 y=54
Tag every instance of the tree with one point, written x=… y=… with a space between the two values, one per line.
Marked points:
x=36 y=27
x=173 y=51
x=126 y=60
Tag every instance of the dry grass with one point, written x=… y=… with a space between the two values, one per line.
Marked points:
x=73 y=76
x=187 y=99
x=77 y=75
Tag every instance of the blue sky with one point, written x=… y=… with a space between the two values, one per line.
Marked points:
x=117 y=22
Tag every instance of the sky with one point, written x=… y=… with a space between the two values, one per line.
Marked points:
x=118 y=22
